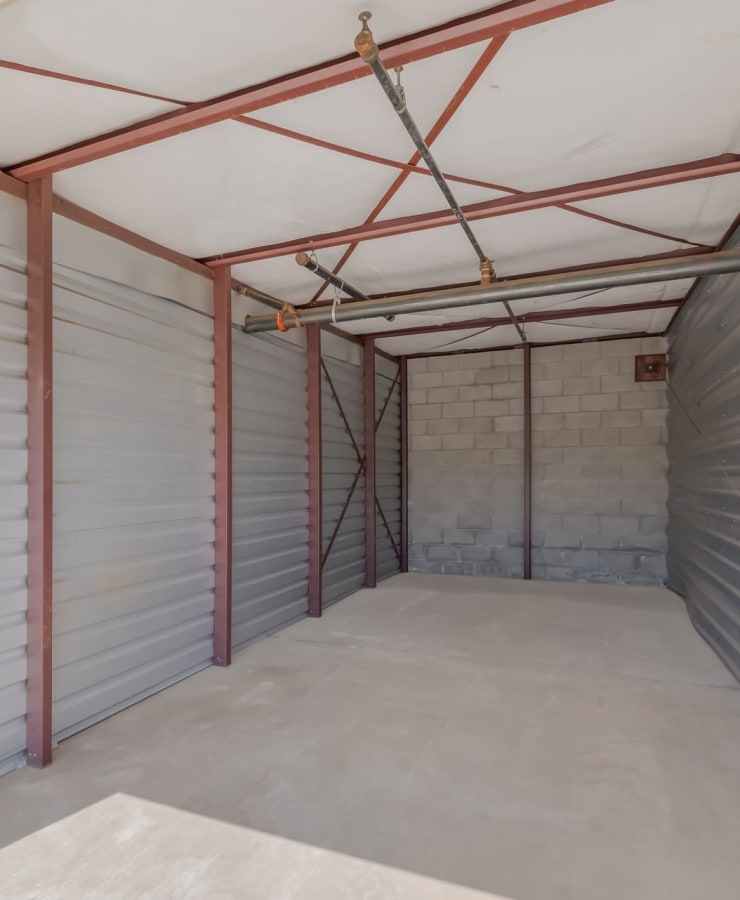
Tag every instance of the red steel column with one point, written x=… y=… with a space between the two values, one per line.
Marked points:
x=527 y=544
x=403 y=380
x=222 y=404
x=368 y=350
x=313 y=363
x=40 y=471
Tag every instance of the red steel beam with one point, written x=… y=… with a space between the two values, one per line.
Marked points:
x=313 y=364
x=552 y=315
x=404 y=403
x=452 y=35
x=527 y=513
x=368 y=376
x=223 y=432
x=725 y=164
x=40 y=472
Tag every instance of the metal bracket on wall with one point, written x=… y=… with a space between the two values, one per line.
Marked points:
x=650 y=367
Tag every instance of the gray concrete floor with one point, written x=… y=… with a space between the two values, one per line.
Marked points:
x=539 y=741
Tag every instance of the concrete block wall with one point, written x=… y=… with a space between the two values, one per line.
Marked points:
x=465 y=464
x=599 y=464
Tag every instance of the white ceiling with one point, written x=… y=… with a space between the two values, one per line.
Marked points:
x=618 y=88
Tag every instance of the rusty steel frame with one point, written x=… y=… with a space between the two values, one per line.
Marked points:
x=725 y=164
x=368 y=379
x=376 y=426
x=222 y=376
x=315 y=501
x=404 y=401
x=527 y=452
x=40 y=472
x=452 y=35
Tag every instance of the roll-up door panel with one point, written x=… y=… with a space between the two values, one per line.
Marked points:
x=387 y=467
x=270 y=485
x=133 y=496
x=13 y=504
x=343 y=480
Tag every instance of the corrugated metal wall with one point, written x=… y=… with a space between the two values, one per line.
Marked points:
x=13 y=504
x=133 y=496
x=387 y=467
x=343 y=522
x=704 y=456
x=270 y=487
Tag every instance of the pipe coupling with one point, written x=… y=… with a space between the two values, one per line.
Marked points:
x=365 y=42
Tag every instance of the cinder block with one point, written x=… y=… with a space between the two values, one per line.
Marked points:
x=608 y=366
x=548 y=422
x=425 y=442
x=425 y=411
x=562 y=438
x=426 y=535
x=491 y=408
x=653 y=524
x=594 y=540
x=494 y=375
x=418 y=426
x=458 y=410
x=654 y=344
x=458 y=536
x=443 y=395
x=507 y=389
x=582 y=385
x=476 y=425
x=425 y=380
x=543 y=455
x=562 y=539
x=475 y=392
x=561 y=404
x=611 y=384
x=627 y=347
x=657 y=543
x=602 y=472
x=480 y=360
x=654 y=563
x=599 y=402
x=654 y=417
x=567 y=368
x=601 y=437
x=492 y=538
x=490 y=441
x=516 y=373
x=547 y=388
x=617 y=560
x=642 y=400
x=641 y=435
x=515 y=407
x=475 y=519
x=417 y=396
x=623 y=418
x=459 y=377
x=458 y=441
x=443 y=426
x=565 y=472
x=619 y=526
x=507 y=456
x=443 y=363
x=583 y=420
x=508 y=423
x=642 y=506
x=441 y=552
x=475 y=553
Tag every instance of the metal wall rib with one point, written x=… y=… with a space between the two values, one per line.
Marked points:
x=13 y=504
x=387 y=467
x=270 y=485
x=704 y=456
x=133 y=497
x=343 y=571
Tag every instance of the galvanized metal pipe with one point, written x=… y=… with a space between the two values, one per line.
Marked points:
x=308 y=262
x=247 y=290
x=670 y=269
x=368 y=50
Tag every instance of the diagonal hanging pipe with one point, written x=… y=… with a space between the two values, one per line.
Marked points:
x=649 y=272
x=310 y=263
x=368 y=50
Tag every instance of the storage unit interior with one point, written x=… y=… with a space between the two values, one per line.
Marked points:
x=369 y=424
